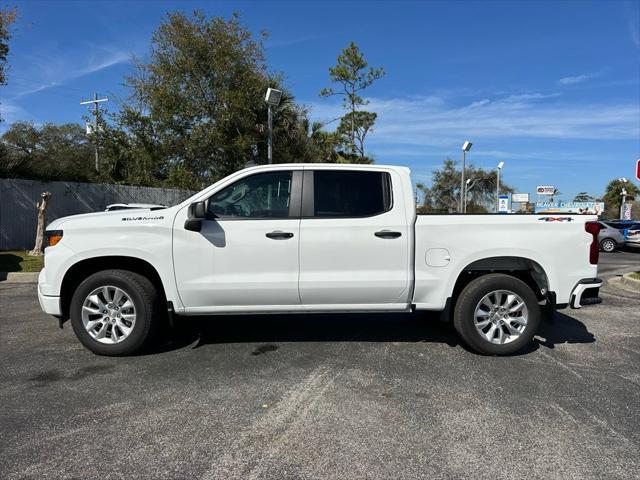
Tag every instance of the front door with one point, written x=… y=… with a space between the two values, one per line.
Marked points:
x=354 y=240
x=247 y=251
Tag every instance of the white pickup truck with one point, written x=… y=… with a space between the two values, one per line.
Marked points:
x=314 y=238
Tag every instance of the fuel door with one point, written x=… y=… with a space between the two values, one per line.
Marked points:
x=437 y=257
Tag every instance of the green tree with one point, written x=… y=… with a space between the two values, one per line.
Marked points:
x=50 y=152
x=7 y=17
x=443 y=196
x=353 y=74
x=197 y=110
x=613 y=196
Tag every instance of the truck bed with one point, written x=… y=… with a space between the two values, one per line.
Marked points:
x=446 y=245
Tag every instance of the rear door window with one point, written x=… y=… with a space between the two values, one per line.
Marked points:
x=344 y=193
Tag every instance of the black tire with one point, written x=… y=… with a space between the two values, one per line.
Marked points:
x=144 y=297
x=468 y=300
x=608 y=245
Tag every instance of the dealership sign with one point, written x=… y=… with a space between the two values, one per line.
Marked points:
x=503 y=204
x=626 y=214
x=587 y=208
x=545 y=189
x=520 y=197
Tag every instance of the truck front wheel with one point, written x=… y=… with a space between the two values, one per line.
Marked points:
x=112 y=312
x=497 y=314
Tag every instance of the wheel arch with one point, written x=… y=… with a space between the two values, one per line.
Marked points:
x=526 y=269
x=82 y=269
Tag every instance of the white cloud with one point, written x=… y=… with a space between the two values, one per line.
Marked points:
x=422 y=125
x=479 y=103
x=53 y=71
x=11 y=113
x=574 y=80
x=633 y=22
x=530 y=96
x=97 y=64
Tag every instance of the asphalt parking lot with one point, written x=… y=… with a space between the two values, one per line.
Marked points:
x=358 y=396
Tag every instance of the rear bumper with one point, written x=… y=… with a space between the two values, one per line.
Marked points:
x=585 y=292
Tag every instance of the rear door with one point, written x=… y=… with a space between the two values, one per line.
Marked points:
x=354 y=239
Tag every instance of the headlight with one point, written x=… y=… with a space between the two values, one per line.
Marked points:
x=52 y=237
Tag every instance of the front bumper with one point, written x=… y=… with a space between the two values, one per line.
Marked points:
x=49 y=304
x=586 y=292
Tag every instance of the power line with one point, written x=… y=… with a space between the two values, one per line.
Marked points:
x=96 y=112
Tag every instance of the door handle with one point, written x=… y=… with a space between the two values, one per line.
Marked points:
x=278 y=235
x=387 y=234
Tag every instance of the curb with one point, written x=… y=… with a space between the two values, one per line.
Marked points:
x=19 y=277
x=631 y=283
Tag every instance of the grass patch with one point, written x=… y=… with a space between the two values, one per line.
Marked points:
x=635 y=275
x=20 y=261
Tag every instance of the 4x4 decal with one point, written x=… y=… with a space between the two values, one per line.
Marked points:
x=556 y=219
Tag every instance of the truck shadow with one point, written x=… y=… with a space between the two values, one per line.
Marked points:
x=270 y=330
x=563 y=329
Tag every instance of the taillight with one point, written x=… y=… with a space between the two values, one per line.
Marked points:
x=594 y=250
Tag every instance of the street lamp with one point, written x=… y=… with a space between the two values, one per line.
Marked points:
x=624 y=197
x=272 y=98
x=500 y=165
x=466 y=193
x=466 y=146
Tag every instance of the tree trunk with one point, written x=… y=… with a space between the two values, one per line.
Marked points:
x=38 y=249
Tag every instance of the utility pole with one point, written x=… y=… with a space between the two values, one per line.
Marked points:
x=96 y=112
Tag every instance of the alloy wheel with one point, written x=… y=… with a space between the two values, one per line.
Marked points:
x=501 y=316
x=108 y=314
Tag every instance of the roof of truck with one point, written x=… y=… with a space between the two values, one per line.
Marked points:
x=346 y=166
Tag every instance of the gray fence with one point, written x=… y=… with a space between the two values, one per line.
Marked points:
x=18 y=215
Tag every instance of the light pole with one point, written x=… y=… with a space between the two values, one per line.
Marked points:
x=272 y=98
x=466 y=146
x=624 y=197
x=500 y=165
x=466 y=193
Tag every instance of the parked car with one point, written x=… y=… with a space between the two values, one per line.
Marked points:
x=610 y=238
x=129 y=206
x=314 y=238
x=623 y=225
x=633 y=238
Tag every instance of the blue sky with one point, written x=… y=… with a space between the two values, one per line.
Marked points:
x=550 y=88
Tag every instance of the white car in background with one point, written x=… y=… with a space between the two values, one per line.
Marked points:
x=633 y=238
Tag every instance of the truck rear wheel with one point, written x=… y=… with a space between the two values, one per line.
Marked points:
x=112 y=312
x=497 y=314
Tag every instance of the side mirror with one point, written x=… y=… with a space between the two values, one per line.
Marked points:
x=196 y=212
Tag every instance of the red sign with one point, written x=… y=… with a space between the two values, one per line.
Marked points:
x=638 y=169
